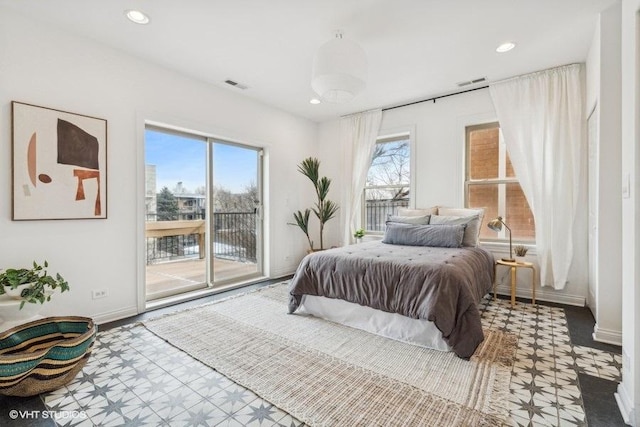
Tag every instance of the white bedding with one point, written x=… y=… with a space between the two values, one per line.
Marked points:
x=391 y=325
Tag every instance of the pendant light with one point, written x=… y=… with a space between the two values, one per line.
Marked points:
x=339 y=70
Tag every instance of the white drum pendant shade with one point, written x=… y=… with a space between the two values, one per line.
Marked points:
x=339 y=70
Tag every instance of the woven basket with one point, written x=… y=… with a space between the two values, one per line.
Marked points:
x=45 y=354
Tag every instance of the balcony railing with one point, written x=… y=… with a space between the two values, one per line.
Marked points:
x=234 y=238
x=377 y=211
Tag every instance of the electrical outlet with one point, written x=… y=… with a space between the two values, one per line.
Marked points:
x=98 y=293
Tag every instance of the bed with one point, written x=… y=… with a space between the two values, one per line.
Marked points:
x=423 y=294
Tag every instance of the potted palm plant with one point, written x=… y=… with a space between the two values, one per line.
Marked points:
x=324 y=209
x=30 y=285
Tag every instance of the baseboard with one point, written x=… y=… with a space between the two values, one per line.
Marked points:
x=608 y=336
x=625 y=405
x=132 y=311
x=115 y=315
x=282 y=276
x=284 y=271
x=543 y=295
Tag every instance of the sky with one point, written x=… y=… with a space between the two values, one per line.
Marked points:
x=179 y=158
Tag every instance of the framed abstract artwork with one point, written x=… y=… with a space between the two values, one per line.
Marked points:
x=59 y=164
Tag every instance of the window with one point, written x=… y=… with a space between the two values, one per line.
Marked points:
x=491 y=184
x=388 y=181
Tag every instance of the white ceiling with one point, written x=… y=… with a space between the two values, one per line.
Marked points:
x=415 y=48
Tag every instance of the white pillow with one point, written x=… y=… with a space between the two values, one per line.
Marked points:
x=417 y=212
x=471 y=231
x=442 y=210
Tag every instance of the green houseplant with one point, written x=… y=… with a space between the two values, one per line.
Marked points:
x=520 y=252
x=31 y=285
x=324 y=209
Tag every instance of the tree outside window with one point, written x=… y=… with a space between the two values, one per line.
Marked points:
x=388 y=182
x=167 y=205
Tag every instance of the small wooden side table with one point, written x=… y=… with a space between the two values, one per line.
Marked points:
x=514 y=269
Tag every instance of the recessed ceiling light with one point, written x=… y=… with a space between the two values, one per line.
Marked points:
x=314 y=101
x=136 y=16
x=505 y=47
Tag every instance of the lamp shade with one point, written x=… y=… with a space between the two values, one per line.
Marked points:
x=339 y=70
x=495 y=224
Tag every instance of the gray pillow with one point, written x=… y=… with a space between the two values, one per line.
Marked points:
x=418 y=220
x=444 y=236
x=470 y=233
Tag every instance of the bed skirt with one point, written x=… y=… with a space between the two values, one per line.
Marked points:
x=390 y=325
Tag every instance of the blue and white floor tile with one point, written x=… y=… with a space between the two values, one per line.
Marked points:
x=136 y=379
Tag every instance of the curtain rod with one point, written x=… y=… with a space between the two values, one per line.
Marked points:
x=466 y=91
x=434 y=98
x=420 y=101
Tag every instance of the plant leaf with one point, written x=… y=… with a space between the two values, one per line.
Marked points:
x=323 y=188
x=326 y=210
x=309 y=167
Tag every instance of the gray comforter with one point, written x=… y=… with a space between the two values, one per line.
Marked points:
x=442 y=285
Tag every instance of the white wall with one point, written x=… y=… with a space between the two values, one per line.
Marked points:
x=603 y=89
x=332 y=165
x=48 y=67
x=593 y=71
x=439 y=173
x=628 y=395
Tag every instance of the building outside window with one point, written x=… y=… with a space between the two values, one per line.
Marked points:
x=388 y=181
x=491 y=184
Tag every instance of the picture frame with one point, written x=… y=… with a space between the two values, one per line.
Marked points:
x=59 y=164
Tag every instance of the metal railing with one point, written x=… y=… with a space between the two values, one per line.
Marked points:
x=234 y=238
x=377 y=212
x=170 y=248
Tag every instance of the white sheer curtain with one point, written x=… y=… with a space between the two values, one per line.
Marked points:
x=541 y=118
x=358 y=134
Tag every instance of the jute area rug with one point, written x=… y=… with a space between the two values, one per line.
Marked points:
x=330 y=375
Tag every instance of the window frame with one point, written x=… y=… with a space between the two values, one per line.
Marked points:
x=387 y=136
x=501 y=181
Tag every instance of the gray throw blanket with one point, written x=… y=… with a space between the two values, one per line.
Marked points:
x=442 y=285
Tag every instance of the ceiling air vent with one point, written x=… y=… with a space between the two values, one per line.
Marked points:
x=472 y=82
x=236 y=84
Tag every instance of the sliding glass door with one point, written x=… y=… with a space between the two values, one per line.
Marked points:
x=203 y=223
x=237 y=212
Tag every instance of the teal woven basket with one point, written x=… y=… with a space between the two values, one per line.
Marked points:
x=45 y=354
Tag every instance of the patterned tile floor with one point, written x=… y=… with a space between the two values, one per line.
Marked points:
x=545 y=390
x=136 y=379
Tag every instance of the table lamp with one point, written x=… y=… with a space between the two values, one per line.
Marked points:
x=496 y=225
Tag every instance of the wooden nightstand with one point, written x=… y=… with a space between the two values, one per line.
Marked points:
x=514 y=269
